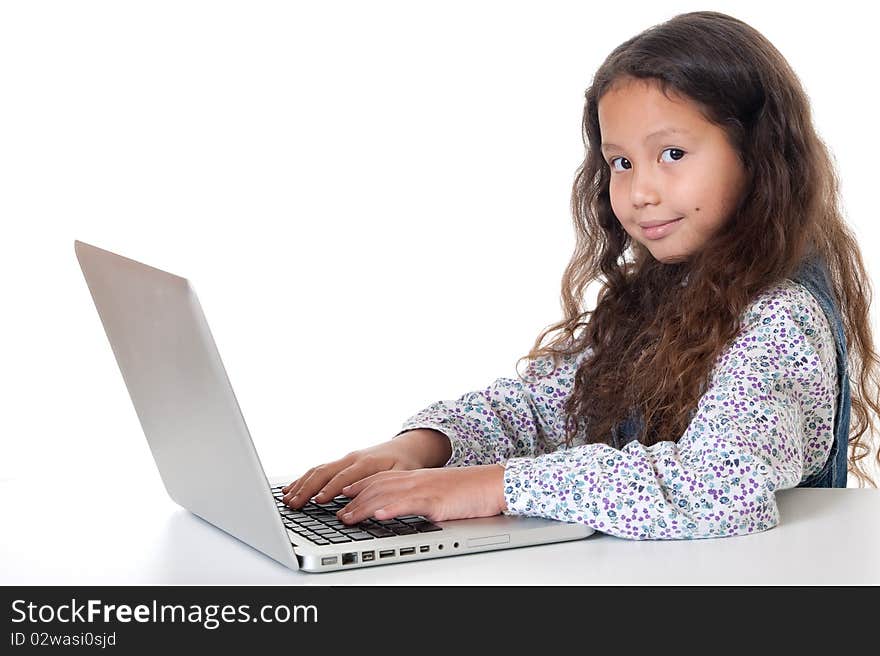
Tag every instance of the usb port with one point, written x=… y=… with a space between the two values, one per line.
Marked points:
x=367 y=556
x=385 y=553
x=424 y=548
x=406 y=551
x=349 y=558
x=329 y=560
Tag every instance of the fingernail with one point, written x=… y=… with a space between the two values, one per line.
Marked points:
x=347 y=516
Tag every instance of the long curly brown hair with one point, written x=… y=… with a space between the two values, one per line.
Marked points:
x=654 y=340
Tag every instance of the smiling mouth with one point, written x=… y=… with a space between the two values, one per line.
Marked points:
x=661 y=230
x=657 y=225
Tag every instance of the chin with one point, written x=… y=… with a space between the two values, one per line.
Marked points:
x=667 y=258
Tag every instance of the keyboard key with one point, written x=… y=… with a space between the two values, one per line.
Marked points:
x=326 y=531
x=426 y=527
x=324 y=527
x=341 y=538
x=403 y=530
x=379 y=532
x=360 y=535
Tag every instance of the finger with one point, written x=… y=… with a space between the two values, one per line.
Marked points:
x=288 y=486
x=382 y=507
x=379 y=494
x=355 y=488
x=311 y=483
x=294 y=488
x=397 y=508
x=358 y=508
x=344 y=479
x=354 y=513
x=316 y=481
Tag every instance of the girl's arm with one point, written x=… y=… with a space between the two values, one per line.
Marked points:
x=764 y=424
x=487 y=427
x=510 y=418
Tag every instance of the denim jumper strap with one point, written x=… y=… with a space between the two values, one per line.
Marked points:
x=812 y=274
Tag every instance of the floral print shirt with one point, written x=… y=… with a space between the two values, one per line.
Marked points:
x=764 y=423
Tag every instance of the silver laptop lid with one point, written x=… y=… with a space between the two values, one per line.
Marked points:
x=183 y=398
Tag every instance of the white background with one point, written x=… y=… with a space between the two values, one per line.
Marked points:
x=371 y=198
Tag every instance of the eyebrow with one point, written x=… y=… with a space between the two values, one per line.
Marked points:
x=658 y=133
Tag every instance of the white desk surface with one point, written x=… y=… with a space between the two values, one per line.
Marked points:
x=103 y=530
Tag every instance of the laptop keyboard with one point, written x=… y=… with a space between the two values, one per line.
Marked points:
x=317 y=522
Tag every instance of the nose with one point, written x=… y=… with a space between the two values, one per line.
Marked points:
x=645 y=189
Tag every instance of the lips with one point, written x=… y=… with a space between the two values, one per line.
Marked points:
x=654 y=224
x=658 y=230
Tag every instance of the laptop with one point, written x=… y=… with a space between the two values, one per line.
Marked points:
x=207 y=460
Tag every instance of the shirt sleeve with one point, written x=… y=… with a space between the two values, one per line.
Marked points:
x=510 y=418
x=764 y=423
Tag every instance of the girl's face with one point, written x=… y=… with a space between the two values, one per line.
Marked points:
x=692 y=176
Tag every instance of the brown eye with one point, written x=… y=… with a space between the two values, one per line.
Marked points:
x=678 y=151
x=614 y=159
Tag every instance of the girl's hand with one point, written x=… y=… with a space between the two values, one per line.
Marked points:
x=436 y=494
x=412 y=450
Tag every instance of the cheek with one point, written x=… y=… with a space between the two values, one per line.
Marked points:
x=618 y=205
x=716 y=196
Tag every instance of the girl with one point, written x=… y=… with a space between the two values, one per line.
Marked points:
x=714 y=369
